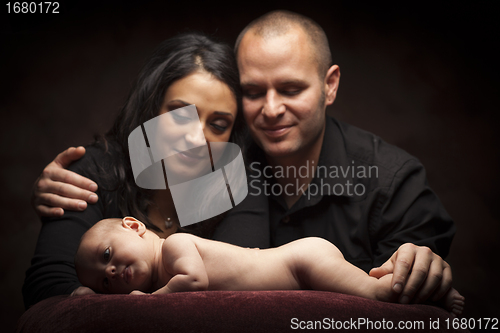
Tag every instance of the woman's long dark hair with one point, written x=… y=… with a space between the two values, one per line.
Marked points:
x=174 y=59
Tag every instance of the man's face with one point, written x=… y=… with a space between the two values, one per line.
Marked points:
x=115 y=262
x=283 y=95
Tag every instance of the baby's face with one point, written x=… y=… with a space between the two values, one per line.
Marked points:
x=115 y=261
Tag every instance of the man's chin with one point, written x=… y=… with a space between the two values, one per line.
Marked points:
x=279 y=150
x=275 y=148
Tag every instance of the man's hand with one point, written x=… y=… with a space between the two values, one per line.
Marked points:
x=80 y=291
x=57 y=188
x=137 y=292
x=418 y=274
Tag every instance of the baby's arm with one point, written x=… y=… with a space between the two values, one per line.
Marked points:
x=180 y=258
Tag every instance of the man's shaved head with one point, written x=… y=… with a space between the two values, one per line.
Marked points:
x=280 y=22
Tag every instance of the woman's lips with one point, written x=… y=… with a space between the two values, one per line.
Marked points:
x=189 y=157
x=277 y=131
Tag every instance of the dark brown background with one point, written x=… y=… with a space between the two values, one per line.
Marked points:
x=424 y=78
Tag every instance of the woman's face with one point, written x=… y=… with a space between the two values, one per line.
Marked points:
x=217 y=108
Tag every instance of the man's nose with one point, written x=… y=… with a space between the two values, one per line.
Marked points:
x=273 y=105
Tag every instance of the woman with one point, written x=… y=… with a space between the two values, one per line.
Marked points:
x=187 y=69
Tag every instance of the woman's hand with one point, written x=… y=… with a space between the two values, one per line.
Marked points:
x=57 y=188
x=80 y=291
x=137 y=292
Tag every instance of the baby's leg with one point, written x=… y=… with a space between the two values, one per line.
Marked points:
x=321 y=266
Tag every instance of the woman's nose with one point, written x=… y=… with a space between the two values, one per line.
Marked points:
x=195 y=136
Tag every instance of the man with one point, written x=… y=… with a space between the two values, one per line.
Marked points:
x=288 y=79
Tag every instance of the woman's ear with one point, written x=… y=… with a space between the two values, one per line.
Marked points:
x=332 y=80
x=132 y=223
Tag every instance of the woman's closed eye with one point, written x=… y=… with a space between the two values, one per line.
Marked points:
x=180 y=119
x=220 y=125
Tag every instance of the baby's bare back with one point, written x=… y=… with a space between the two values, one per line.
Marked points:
x=232 y=267
x=235 y=268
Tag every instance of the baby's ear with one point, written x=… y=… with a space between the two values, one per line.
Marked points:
x=132 y=223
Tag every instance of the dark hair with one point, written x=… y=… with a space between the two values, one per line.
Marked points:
x=174 y=59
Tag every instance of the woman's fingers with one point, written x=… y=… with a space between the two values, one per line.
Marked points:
x=56 y=170
x=47 y=203
x=57 y=188
x=70 y=155
x=57 y=201
x=69 y=186
x=47 y=211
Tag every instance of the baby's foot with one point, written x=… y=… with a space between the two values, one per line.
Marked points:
x=453 y=302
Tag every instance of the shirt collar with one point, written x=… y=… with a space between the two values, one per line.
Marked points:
x=333 y=150
x=334 y=166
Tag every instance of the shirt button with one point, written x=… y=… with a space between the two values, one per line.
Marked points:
x=286 y=219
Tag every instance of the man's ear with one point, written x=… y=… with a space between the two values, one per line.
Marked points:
x=332 y=80
x=132 y=223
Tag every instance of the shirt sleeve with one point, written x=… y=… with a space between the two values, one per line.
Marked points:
x=410 y=212
x=52 y=269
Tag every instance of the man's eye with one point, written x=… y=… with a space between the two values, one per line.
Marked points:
x=291 y=92
x=252 y=94
x=106 y=254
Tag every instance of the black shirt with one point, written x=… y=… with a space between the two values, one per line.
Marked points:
x=367 y=214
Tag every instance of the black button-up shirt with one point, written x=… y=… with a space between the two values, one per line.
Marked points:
x=367 y=197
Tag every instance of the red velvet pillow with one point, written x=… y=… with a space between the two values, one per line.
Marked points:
x=226 y=311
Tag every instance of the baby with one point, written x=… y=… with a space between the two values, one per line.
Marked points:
x=122 y=256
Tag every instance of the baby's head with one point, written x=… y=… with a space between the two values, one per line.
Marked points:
x=116 y=256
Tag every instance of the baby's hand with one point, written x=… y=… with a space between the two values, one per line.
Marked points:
x=137 y=292
x=80 y=291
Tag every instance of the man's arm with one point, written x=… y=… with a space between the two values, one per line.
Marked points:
x=413 y=216
x=58 y=189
